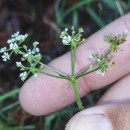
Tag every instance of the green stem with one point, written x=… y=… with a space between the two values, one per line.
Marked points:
x=73 y=57
x=53 y=75
x=72 y=60
x=87 y=68
x=53 y=70
x=77 y=97
x=82 y=74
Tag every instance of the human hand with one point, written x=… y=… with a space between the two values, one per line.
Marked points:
x=47 y=94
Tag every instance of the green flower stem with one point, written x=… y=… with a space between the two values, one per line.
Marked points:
x=72 y=60
x=82 y=74
x=73 y=57
x=53 y=70
x=87 y=68
x=45 y=73
x=77 y=97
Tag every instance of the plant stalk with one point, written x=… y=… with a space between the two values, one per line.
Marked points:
x=77 y=97
x=53 y=70
x=83 y=74
x=48 y=74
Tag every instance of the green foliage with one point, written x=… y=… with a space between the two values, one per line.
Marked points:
x=119 y=7
x=57 y=117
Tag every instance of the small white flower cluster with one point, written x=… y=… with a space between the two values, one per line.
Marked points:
x=13 y=46
x=102 y=63
x=115 y=41
x=14 y=42
x=23 y=75
x=6 y=56
x=18 y=64
x=66 y=38
x=100 y=72
x=3 y=49
x=35 y=44
x=32 y=56
x=31 y=52
x=74 y=39
x=16 y=37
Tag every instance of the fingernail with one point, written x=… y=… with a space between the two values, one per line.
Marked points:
x=90 y=122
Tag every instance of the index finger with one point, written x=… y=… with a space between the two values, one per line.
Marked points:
x=47 y=94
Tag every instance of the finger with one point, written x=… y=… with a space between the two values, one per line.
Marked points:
x=107 y=117
x=118 y=93
x=46 y=94
x=104 y=117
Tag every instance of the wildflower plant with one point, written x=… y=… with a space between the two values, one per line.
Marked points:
x=100 y=62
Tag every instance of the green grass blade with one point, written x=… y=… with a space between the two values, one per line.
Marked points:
x=2 y=116
x=9 y=106
x=74 y=7
x=75 y=18
x=111 y=4
x=57 y=121
x=95 y=17
x=120 y=9
x=9 y=94
x=48 y=120
x=29 y=127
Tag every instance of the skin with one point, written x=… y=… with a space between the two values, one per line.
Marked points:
x=47 y=94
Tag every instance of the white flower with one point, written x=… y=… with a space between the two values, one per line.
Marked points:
x=64 y=33
x=21 y=37
x=17 y=38
x=18 y=64
x=3 y=49
x=35 y=75
x=30 y=52
x=66 y=40
x=25 y=55
x=81 y=30
x=35 y=43
x=13 y=46
x=5 y=56
x=99 y=72
x=35 y=50
x=23 y=75
x=95 y=57
x=11 y=40
x=66 y=29
x=15 y=34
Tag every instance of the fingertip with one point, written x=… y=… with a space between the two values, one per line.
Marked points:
x=89 y=121
x=103 y=117
x=29 y=101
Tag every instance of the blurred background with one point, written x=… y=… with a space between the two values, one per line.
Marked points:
x=44 y=20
